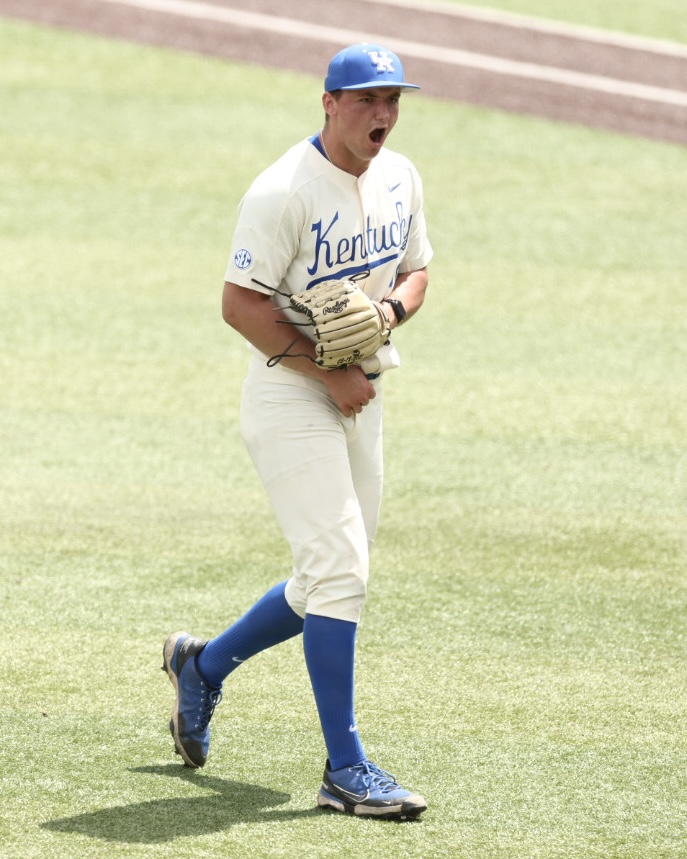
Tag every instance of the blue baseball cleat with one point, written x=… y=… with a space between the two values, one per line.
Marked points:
x=366 y=790
x=196 y=700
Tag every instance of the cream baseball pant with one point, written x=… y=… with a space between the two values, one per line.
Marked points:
x=323 y=474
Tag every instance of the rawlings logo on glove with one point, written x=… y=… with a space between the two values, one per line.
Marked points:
x=336 y=308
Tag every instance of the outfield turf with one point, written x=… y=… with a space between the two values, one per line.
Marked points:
x=522 y=658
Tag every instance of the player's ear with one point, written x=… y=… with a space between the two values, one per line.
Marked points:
x=329 y=103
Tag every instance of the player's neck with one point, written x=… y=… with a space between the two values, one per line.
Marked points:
x=341 y=157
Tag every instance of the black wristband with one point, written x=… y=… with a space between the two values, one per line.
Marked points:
x=397 y=307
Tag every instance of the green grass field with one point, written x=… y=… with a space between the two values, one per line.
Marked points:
x=522 y=659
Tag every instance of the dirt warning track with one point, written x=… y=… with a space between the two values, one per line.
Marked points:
x=635 y=86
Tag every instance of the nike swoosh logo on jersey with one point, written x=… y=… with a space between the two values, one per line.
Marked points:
x=392 y=188
x=236 y=659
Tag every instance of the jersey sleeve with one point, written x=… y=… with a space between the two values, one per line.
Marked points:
x=266 y=238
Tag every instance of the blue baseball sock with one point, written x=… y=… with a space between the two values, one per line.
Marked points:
x=270 y=621
x=329 y=647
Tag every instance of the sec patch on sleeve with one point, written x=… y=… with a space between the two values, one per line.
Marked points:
x=243 y=259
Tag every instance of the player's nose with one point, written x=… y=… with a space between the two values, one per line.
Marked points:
x=383 y=108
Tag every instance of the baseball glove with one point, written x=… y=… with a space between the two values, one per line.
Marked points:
x=347 y=325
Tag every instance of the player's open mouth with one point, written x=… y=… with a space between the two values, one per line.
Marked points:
x=377 y=135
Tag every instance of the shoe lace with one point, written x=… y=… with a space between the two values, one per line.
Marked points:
x=208 y=701
x=377 y=778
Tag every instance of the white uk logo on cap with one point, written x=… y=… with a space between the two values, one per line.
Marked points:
x=382 y=61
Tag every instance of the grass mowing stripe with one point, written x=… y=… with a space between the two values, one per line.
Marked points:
x=522 y=655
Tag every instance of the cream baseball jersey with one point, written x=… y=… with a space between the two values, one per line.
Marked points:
x=304 y=221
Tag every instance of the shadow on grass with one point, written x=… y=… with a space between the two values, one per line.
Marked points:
x=159 y=820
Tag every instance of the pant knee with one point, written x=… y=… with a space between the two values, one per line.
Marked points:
x=330 y=576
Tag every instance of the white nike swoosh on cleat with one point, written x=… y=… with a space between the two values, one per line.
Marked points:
x=355 y=797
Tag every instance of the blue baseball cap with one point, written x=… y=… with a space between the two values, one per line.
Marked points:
x=364 y=66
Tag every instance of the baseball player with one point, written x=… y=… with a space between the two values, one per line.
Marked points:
x=338 y=206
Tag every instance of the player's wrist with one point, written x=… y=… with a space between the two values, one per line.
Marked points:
x=396 y=312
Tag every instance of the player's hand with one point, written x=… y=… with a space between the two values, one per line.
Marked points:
x=350 y=389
